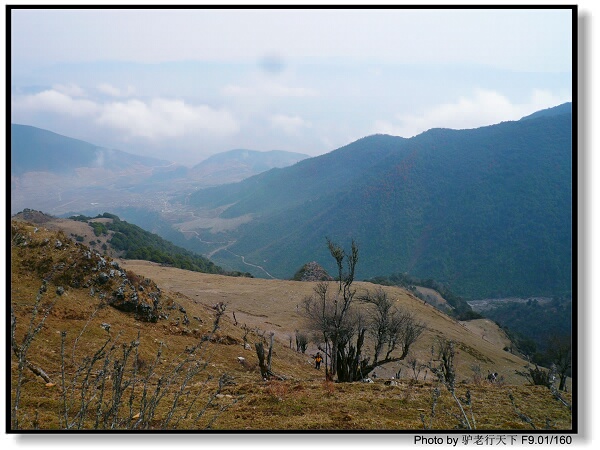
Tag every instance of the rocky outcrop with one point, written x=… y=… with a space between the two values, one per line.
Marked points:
x=312 y=271
x=67 y=265
x=33 y=216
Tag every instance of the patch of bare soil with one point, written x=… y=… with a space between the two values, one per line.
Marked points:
x=489 y=331
x=434 y=298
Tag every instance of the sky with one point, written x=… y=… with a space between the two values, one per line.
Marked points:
x=183 y=84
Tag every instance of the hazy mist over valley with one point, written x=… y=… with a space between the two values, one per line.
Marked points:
x=229 y=177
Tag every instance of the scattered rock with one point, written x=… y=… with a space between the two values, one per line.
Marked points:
x=103 y=277
x=120 y=295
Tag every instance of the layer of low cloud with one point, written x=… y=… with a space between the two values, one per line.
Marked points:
x=113 y=91
x=261 y=114
x=484 y=107
x=164 y=118
x=57 y=102
x=153 y=119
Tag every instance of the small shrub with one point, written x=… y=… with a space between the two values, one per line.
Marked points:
x=301 y=341
x=278 y=390
x=140 y=364
x=329 y=387
x=478 y=378
x=537 y=376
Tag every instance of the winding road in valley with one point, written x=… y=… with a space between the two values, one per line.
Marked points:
x=243 y=258
x=226 y=248
x=223 y=247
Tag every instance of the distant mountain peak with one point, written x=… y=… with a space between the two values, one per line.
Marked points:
x=37 y=150
x=238 y=164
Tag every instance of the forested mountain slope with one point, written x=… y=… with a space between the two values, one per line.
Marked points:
x=487 y=211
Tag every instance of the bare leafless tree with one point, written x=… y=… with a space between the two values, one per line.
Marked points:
x=536 y=375
x=341 y=328
x=105 y=388
x=20 y=350
x=265 y=367
x=559 y=352
x=416 y=367
x=391 y=327
x=329 y=312
x=344 y=327
x=446 y=374
x=301 y=341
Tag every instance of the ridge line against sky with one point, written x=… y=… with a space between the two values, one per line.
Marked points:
x=187 y=84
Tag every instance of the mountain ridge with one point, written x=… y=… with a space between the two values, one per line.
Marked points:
x=455 y=205
x=504 y=191
x=36 y=149
x=50 y=171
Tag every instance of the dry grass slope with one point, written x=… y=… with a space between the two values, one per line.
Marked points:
x=303 y=401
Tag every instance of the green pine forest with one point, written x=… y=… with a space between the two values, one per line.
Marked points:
x=487 y=212
x=137 y=243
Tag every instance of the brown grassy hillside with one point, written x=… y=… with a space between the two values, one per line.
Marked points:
x=276 y=305
x=114 y=368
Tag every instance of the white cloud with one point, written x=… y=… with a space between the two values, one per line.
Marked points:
x=289 y=124
x=72 y=90
x=163 y=118
x=485 y=107
x=113 y=91
x=156 y=119
x=56 y=102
